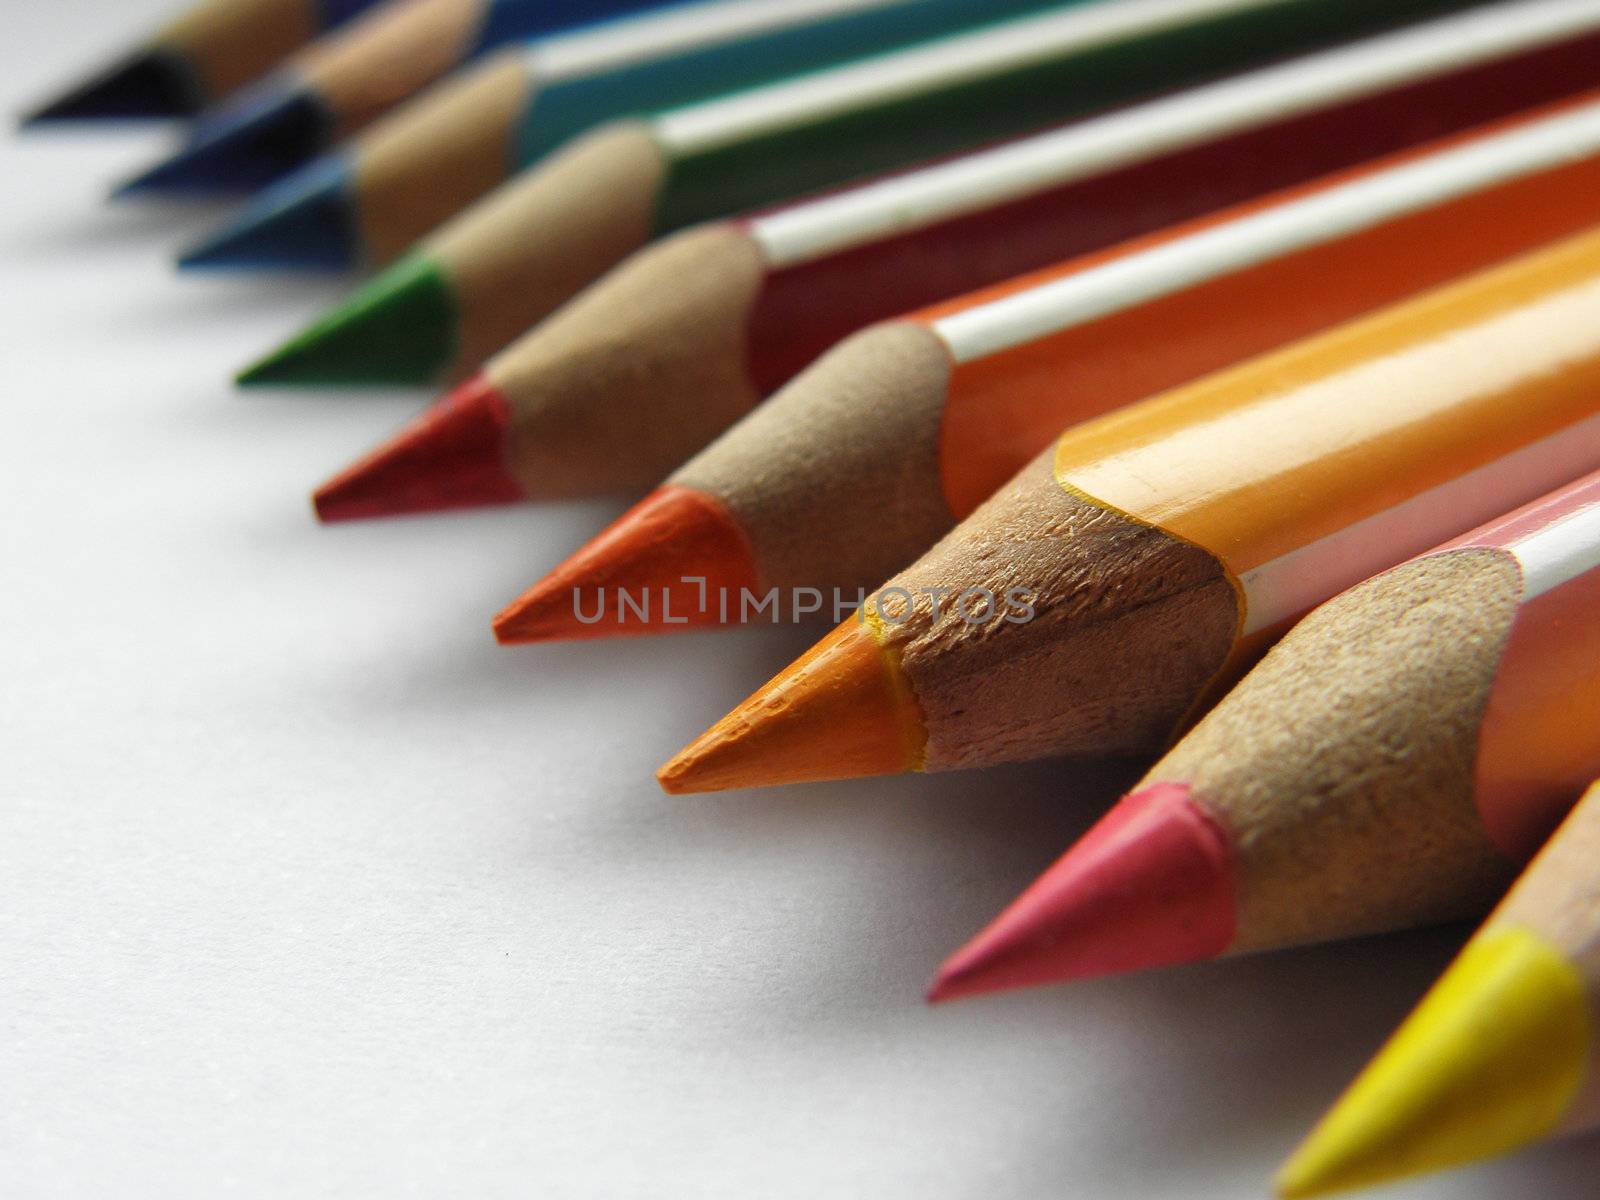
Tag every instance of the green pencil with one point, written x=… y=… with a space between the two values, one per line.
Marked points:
x=485 y=277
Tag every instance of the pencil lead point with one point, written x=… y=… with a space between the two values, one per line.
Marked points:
x=679 y=557
x=306 y=221
x=1491 y=1060
x=840 y=711
x=452 y=456
x=151 y=84
x=245 y=146
x=398 y=329
x=1150 y=885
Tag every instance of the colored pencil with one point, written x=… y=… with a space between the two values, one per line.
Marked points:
x=1152 y=551
x=486 y=276
x=339 y=85
x=1500 y=1054
x=963 y=394
x=367 y=203
x=197 y=58
x=1388 y=764
x=563 y=410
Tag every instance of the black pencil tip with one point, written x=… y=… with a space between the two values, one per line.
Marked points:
x=242 y=148
x=150 y=85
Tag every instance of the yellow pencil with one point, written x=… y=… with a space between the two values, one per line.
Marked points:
x=1500 y=1054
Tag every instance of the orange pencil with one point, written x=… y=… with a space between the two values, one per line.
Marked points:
x=920 y=419
x=1090 y=605
x=1388 y=764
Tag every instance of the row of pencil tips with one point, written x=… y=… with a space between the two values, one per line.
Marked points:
x=1215 y=382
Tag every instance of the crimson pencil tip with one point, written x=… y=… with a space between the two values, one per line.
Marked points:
x=452 y=456
x=1150 y=885
x=665 y=565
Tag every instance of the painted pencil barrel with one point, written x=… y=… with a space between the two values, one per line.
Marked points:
x=434 y=156
x=1044 y=352
x=1155 y=550
x=1471 y=692
x=487 y=268
x=745 y=152
x=1358 y=780
x=702 y=50
x=1325 y=496
x=1540 y=738
x=681 y=362
x=968 y=391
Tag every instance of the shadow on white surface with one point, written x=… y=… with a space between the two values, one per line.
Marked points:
x=217 y=301
x=92 y=227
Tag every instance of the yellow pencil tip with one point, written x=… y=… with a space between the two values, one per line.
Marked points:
x=1490 y=1061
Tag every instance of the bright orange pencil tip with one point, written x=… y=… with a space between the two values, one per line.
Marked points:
x=841 y=711
x=677 y=560
x=1150 y=885
x=452 y=456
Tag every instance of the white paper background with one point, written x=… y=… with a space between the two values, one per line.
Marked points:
x=308 y=889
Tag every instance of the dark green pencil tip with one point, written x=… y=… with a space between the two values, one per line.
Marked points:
x=400 y=329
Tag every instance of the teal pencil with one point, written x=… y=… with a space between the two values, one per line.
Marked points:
x=364 y=204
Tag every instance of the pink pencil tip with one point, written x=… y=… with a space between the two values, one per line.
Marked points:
x=1150 y=885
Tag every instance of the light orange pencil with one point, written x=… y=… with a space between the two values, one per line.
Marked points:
x=1089 y=606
